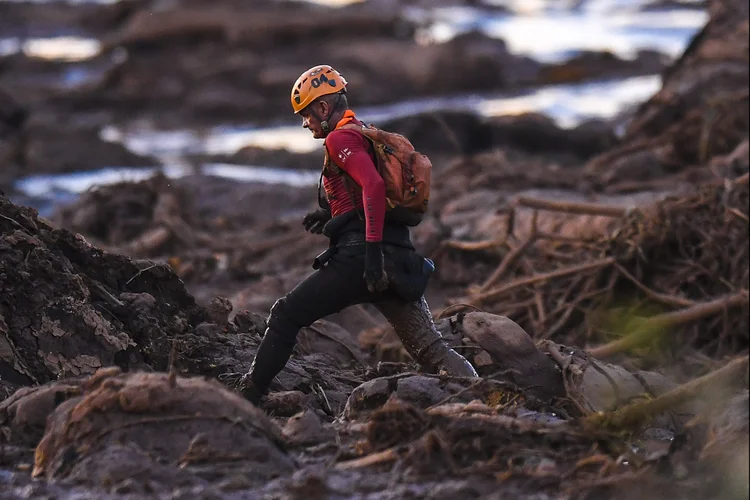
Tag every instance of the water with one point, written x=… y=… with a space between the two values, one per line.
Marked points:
x=549 y=33
x=620 y=26
x=69 y=48
x=568 y=105
x=47 y=192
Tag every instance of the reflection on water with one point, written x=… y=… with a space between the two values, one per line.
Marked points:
x=553 y=34
x=79 y=182
x=569 y=105
x=60 y=48
x=47 y=192
x=296 y=178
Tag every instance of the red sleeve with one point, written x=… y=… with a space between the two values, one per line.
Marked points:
x=350 y=152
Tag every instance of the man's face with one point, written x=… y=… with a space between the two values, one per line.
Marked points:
x=311 y=118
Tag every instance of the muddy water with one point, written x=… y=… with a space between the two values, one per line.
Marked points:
x=567 y=104
x=620 y=26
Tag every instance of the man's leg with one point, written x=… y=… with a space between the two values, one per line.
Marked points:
x=413 y=323
x=327 y=291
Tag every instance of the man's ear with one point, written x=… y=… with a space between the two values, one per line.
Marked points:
x=324 y=107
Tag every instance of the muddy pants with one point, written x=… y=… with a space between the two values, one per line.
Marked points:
x=329 y=290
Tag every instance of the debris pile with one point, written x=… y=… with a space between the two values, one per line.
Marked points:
x=679 y=263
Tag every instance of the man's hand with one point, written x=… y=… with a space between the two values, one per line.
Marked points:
x=375 y=277
x=315 y=220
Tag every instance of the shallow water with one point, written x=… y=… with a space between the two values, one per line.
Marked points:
x=47 y=192
x=617 y=25
x=551 y=34
x=568 y=105
x=55 y=48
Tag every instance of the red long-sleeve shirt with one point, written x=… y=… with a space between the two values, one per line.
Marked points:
x=351 y=152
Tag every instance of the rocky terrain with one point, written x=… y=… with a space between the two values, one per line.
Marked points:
x=598 y=282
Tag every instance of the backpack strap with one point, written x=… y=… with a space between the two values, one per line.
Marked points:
x=329 y=166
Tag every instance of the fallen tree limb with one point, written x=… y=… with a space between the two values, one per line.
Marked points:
x=571 y=207
x=512 y=256
x=530 y=280
x=644 y=335
x=381 y=457
x=638 y=414
x=659 y=297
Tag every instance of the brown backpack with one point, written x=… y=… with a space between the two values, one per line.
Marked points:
x=406 y=172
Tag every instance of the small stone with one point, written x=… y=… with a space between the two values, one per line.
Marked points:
x=368 y=396
x=420 y=391
x=305 y=429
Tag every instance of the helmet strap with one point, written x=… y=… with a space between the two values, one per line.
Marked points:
x=324 y=123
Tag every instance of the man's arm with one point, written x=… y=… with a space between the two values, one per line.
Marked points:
x=348 y=149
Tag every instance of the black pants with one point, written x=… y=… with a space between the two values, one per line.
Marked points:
x=338 y=285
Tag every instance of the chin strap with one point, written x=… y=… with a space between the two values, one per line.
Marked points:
x=324 y=123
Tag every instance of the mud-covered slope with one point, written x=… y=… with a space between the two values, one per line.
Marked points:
x=702 y=110
x=67 y=308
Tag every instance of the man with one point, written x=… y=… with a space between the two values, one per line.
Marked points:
x=369 y=259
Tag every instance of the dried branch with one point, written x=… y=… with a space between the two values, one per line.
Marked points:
x=642 y=336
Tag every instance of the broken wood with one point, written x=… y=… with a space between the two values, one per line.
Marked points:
x=643 y=335
x=572 y=207
x=559 y=273
x=659 y=297
x=381 y=457
x=512 y=256
x=637 y=414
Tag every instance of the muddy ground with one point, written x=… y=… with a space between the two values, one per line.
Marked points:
x=585 y=275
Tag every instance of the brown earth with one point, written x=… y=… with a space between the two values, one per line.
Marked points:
x=648 y=271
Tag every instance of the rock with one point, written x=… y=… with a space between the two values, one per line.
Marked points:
x=24 y=414
x=442 y=133
x=512 y=351
x=218 y=310
x=305 y=428
x=209 y=330
x=144 y=303
x=368 y=396
x=53 y=149
x=537 y=133
x=250 y=322
x=286 y=403
x=420 y=391
x=588 y=65
x=121 y=412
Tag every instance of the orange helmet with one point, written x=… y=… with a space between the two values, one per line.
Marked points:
x=315 y=82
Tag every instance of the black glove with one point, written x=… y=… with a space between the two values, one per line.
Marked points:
x=375 y=277
x=315 y=220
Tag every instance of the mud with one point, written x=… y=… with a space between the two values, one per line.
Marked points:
x=585 y=276
x=196 y=64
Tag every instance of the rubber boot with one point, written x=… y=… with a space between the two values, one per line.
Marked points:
x=273 y=354
x=249 y=390
x=413 y=323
